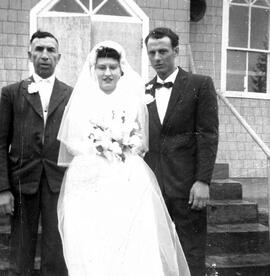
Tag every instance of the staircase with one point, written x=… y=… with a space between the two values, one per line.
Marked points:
x=237 y=243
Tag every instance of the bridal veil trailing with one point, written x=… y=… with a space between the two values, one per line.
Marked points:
x=112 y=217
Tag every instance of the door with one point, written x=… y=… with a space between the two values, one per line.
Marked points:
x=73 y=34
x=129 y=35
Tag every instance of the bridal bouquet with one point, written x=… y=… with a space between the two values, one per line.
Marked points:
x=115 y=137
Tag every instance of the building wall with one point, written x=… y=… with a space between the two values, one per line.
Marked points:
x=14 y=37
x=236 y=147
x=14 y=32
x=173 y=14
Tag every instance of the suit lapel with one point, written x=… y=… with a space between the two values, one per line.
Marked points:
x=58 y=94
x=177 y=93
x=32 y=98
x=152 y=107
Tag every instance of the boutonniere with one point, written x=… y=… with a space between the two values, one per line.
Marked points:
x=33 y=88
x=149 y=87
x=148 y=98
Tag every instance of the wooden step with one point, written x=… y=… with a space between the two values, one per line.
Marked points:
x=240 y=264
x=221 y=171
x=231 y=211
x=237 y=238
x=4 y=266
x=4 y=220
x=225 y=189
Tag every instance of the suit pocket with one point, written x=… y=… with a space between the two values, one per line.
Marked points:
x=13 y=162
x=179 y=141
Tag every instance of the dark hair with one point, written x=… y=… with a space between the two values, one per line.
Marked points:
x=103 y=52
x=161 y=32
x=41 y=34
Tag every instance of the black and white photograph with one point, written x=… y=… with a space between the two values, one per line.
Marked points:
x=134 y=138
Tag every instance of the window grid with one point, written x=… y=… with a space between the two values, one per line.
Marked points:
x=260 y=4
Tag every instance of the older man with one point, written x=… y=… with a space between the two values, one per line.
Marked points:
x=30 y=180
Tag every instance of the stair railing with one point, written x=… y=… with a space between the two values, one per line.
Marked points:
x=257 y=140
x=249 y=129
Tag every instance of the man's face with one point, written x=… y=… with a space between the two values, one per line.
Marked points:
x=44 y=56
x=162 y=56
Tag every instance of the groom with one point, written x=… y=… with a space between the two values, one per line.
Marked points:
x=183 y=138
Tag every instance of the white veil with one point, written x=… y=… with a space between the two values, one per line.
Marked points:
x=87 y=100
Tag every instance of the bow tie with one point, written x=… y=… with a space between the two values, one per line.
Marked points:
x=165 y=84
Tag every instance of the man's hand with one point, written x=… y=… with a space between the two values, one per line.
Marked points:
x=6 y=203
x=199 y=195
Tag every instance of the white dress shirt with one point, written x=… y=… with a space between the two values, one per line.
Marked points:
x=45 y=87
x=163 y=94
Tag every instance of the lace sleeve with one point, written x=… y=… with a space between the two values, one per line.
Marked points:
x=142 y=120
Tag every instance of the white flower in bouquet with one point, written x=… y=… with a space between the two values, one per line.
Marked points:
x=99 y=134
x=135 y=141
x=105 y=143
x=115 y=148
x=116 y=132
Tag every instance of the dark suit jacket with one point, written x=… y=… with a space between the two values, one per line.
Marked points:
x=26 y=147
x=183 y=149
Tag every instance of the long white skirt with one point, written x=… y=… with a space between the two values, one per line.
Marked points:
x=113 y=221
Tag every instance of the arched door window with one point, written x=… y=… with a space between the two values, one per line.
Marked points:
x=80 y=24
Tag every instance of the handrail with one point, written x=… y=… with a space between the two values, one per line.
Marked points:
x=257 y=139
x=244 y=123
x=249 y=129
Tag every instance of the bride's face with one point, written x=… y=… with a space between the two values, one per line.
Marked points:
x=108 y=73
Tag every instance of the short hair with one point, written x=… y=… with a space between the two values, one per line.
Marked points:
x=161 y=32
x=42 y=34
x=108 y=52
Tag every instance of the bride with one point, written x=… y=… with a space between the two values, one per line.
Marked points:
x=112 y=217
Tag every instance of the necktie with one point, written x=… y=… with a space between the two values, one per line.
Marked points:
x=165 y=84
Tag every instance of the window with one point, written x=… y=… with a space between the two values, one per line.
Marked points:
x=246 y=48
x=99 y=7
x=67 y=6
x=112 y=7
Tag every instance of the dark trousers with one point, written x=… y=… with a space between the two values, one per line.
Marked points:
x=24 y=229
x=191 y=227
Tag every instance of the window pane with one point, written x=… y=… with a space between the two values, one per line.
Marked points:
x=261 y=3
x=239 y=1
x=257 y=72
x=113 y=7
x=238 y=26
x=67 y=6
x=236 y=64
x=95 y=3
x=259 y=28
x=86 y=3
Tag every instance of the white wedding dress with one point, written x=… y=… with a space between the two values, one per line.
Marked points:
x=112 y=218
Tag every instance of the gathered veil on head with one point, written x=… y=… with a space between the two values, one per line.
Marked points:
x=88 y=102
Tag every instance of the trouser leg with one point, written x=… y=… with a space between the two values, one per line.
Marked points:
x=24 y=227
x=52 y=260
x=191 y=227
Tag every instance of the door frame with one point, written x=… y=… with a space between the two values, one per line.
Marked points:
x=138 y=16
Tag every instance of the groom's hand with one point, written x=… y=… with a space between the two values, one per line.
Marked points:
x=199 y=195
x=6 y=203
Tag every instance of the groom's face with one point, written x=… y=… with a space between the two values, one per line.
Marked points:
x=162 y=55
